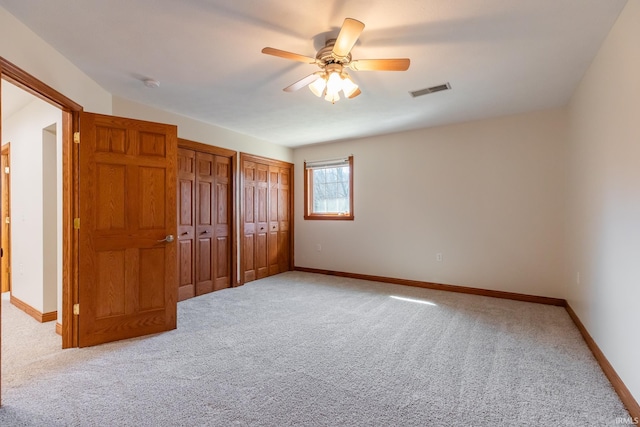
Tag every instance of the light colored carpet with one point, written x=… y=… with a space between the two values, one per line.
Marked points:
x=302 y=349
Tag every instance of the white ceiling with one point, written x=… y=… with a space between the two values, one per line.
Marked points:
x=500 y=57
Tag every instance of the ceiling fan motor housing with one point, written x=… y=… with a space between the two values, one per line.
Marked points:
x=326 y=55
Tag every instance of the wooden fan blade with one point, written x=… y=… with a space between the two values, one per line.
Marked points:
x=348 y=36
x=302 y=82
x=397 y=64
x=288 y=55
x=356 y=93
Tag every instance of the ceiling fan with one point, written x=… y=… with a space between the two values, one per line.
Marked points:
x=333 y=59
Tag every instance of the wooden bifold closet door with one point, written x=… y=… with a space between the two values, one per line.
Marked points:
x=204 y=221
x=266 y=217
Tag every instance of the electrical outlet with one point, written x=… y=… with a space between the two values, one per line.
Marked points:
x=319 y=247
x=439 y=256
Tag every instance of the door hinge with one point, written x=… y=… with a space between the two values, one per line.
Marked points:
x=76 y=223
x=76 y=137
x=7 y=220
x=76 y=309
x=6 y=170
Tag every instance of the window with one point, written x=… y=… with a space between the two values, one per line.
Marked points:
x=328 y=189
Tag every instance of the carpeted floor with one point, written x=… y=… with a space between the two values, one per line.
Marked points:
x=301 y=349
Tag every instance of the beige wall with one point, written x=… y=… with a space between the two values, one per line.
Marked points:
x=604 y=213
x=488 y=195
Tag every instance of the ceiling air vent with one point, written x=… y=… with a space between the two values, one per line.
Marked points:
x=429 y=90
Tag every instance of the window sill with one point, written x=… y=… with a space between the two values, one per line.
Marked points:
x=331 y=217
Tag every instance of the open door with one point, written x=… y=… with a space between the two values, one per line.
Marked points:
x=127 y=219
x=5 y=219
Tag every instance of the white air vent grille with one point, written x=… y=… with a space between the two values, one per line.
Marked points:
x=431 y=89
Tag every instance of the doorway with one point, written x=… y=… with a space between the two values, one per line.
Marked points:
x=69 y=111
x=33 y=259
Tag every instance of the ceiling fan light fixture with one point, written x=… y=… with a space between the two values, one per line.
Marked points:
x=332 y=59
x=348 y=86
x=334 y=83
x=332 y=97
x=318 y=86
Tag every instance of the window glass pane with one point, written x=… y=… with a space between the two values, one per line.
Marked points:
x=331 y=190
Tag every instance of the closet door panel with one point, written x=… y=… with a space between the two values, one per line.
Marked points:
x=274 y=185
x=284 y=219
x=249 y=222
x=262 y=198
x=186 y=220
x=204 y=222
x=222 y=220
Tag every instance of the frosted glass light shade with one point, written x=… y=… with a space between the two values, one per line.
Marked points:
x=332 y=97
x=334 y=84
x=318 y=86
x=348 y=86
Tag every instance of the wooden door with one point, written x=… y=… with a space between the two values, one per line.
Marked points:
x=186 y=224
x=204 y=222
x=255 y=220
x=274 y=201
x=222 y=224
x=262 y=215
x=127 y=206
x=284 y=219
x=248 y=221
x=5 y=218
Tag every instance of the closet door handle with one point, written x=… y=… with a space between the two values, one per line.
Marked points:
x=167 y=239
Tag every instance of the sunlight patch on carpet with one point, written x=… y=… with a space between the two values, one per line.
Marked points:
x=419 y=301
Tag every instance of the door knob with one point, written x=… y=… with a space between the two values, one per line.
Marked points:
x=167 y=239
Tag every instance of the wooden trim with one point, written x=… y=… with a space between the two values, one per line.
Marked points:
x=26 y=81
x=263 y=160
x=36 y=314
x=70 y=123
x=623 y=392
x=240 y=194
x=1 y=67
x=58 y=328
x=308 y=182
x=6 y=151
x=305 y=195
x=235 y=218
x=50 y=316
x=70 y=157
x=291 y=220
x=442 y=287
x=205 y=148
x=329 y=217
